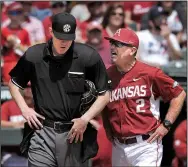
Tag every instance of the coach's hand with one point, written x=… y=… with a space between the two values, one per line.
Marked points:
x=77 y=130
x=33 y=118
x=159 y=133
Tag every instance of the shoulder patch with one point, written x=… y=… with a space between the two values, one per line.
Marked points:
x=175 y=84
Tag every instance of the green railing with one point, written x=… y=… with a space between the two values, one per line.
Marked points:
x=11 y=136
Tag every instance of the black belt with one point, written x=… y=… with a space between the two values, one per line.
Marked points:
x=132 y=140
x=57 y=125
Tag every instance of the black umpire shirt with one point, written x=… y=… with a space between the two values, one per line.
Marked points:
x=57 y=82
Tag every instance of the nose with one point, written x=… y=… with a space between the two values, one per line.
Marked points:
x=112 y=46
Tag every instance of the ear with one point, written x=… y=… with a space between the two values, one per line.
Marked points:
x=50 y=31
x=134 y=50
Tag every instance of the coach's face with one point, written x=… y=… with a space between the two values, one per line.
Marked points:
x=121 y=53
x=60 y=45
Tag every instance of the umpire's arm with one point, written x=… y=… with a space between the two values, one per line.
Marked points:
x=97 y=106
x=95 y=71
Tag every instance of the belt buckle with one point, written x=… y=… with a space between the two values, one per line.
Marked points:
x=124 y=140
x=57 y=125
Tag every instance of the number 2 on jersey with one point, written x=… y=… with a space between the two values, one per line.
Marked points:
x=141 y=104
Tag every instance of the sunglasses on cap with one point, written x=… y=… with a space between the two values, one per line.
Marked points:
x=15 y=12
x=119 y=44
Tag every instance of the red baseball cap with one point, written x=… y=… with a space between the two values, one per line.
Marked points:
x=14 y=6
x=125 y=35
x=94 y=25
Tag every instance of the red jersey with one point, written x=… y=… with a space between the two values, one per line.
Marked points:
x=11 y=112
x=22 y=34
x=83 y=28
x=4 y=16
x=134 y=104
x=10 y=58
x=138 y=9
x=105 y=33
x=47 y=22
x=4 y=34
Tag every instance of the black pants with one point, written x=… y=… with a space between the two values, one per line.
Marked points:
x=51 y=149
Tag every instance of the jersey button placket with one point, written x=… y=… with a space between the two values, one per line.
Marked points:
x=120 y=113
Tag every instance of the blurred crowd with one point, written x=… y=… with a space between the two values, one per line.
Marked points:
x=161 y=27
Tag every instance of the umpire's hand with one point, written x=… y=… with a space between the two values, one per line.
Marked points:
x=33 y=118
x=77 y=130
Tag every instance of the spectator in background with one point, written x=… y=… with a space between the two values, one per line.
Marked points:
x=113 y=19
x=158 y=45
x=173 y=20
x=15 y=39
x=96 y=14
x=33 y=26
x=40 y=9
x=3 y=13
x=80 y=11
x=134 y=12
x=11 y=117
x=96 y=11
x=181 y=8
x=56 y=7
x=41 y=4
x=96 y=40
x=180 y=145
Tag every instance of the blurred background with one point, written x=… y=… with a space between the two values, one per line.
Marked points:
x=26 y=23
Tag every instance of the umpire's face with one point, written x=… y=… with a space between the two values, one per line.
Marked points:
x=60 y=45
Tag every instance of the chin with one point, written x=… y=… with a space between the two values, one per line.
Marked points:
x=61 y=51
x=113 y=60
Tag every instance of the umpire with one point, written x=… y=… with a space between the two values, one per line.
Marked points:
x=57 y=71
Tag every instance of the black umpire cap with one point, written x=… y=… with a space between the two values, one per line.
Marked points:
x=64 y=26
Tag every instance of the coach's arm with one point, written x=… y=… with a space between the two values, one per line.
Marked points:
x=175 y=107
